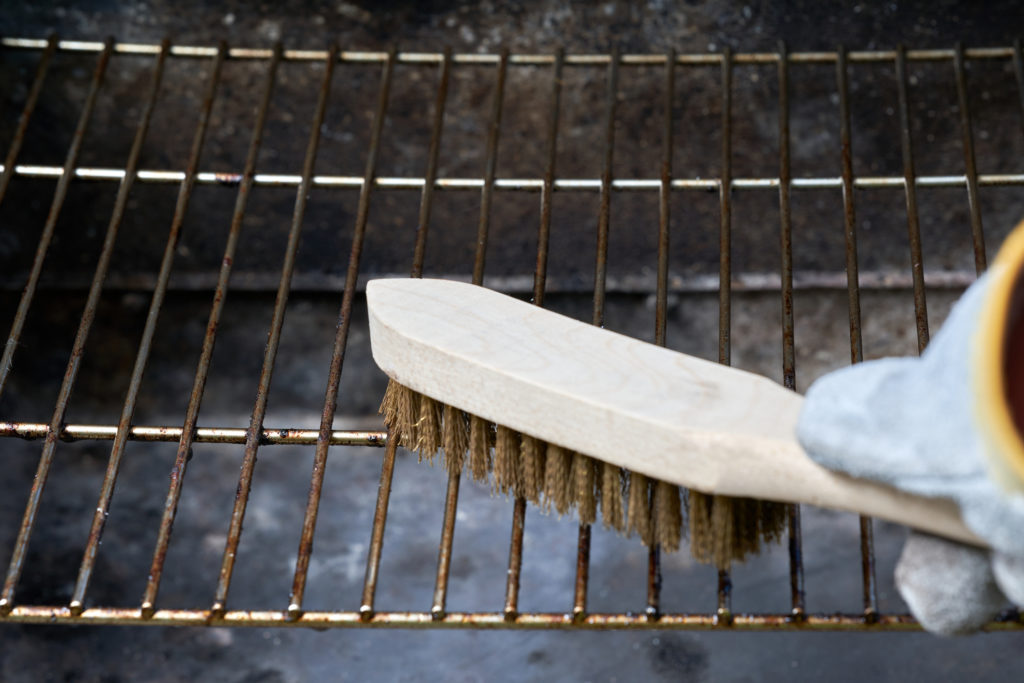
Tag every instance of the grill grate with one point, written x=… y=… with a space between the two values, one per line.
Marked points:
x=551 y=69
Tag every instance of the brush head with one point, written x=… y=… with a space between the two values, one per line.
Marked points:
x=558 y=387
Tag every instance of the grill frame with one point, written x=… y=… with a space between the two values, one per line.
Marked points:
x=488 y=183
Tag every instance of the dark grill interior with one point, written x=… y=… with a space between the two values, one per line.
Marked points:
x=652 y=193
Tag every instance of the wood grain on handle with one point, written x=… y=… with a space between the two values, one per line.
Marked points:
x=665 y=414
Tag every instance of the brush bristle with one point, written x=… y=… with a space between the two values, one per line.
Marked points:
x=638 y=509
x=725 y=529
x=611 y=497
x=428 y=427
x=721 y=529
x=532 y=453
x=701 y=537
x=557 y=474
x=454 y=438
x=479 y=448
x=506 y=453
x=400 y=408
x=668 y=515
x=584 y=488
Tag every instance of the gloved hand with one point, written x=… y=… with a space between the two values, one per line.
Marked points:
x=954 y=589
x=914 y=423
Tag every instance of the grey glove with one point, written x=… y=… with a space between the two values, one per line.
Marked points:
x=954 y=589
x=908 y=422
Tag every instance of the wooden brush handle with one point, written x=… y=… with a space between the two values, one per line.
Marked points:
x=665 y=414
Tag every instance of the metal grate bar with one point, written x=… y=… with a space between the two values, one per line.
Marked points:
x=232 y=179
x=334 y=379
x=473 y=620
x=724 y=611
x=451 y=498
x=88 y=315
x=515 y=553
x=429 y=58
x=970 y=167
x=653 y=608
x=59 y=194
x=270 y=437
x=190 y=427
x=305 y=549
x=45 y=460
x=26 y=114
x=796 y=563
x=380 y=512
x=867 y=543
x=259 y=411
x=362 y=215
x=579 y=603
x=156 y=303
x=910 y=188
x=430 y=177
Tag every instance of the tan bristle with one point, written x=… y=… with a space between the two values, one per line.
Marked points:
x=745 y=527
x=638 y=509
x=479 y=448
x=400 y=408
x=701 y=534
x=723 y=529
x=506 y=455
x=454 y=438
x=611 y=497
x=428 y=428
x=556 y=478
x=531 y=456
x=584 y=494
x=668 y=516
x=389 y=404
x=409 y=417
x=774 y=520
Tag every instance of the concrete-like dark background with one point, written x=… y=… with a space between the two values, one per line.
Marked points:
x=31 y=653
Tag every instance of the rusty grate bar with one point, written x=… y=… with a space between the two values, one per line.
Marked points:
x=13 y=340
x=546 y=186
x=269 y=437
x=869 y=593
x=451 y=499
x=231 y=179
x=825 y=57
x=88 y=315
x=473 y=620
x=59 y=195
